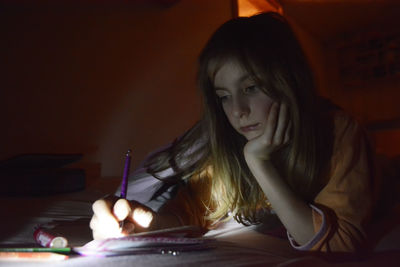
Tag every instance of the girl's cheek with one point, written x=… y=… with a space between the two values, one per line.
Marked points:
x=227 y=112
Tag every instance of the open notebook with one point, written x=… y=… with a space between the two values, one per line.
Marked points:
x=172 y=240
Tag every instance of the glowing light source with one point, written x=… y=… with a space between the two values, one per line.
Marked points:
x=248 y=8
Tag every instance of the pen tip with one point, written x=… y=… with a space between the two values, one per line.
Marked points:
x=129 y=152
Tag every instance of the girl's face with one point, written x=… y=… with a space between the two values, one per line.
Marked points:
x=244 y=103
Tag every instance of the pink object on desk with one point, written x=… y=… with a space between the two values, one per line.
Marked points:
x=46 y=238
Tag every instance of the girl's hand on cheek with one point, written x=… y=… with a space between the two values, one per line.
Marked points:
x=275 y=135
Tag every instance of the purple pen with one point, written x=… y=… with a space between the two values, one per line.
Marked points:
x=124 y=184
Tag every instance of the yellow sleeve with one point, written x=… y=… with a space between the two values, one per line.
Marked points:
x=192 y=202
x=348 y=199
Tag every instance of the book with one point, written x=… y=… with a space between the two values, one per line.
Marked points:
x=171 y=241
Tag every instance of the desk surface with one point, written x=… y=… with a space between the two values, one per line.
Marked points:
x=238 y=245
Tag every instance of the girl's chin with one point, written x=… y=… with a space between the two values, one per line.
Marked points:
x=251 y=135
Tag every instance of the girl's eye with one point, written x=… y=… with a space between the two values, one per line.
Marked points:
x=223 y=98
x=251 y=89
x=222 y=95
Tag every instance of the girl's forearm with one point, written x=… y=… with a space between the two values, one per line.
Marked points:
x=165 y=218
x=293 y=212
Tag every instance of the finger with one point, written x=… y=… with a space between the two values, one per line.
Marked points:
x=98 y=235
x=287 y=133
x=129 y=228
x=102 y=208
x=104 y=218
x=122 y=209
x=142 y=217
x=271 y=123
x=282 y=125
x=93 y=222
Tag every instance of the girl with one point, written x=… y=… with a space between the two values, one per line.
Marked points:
x=266 y=143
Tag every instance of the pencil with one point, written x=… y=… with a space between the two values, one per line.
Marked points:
x=124 y=184
x=41 y=249
x=35 y=256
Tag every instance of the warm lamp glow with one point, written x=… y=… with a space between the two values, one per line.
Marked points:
x=248 y=8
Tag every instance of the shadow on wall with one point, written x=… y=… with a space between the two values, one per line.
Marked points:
x=98 y=79
x=354 y=49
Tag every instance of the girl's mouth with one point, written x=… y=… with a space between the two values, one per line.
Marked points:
x=249 y=128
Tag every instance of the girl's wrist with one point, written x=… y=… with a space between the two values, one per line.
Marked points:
x=250 y=153
x=257 y=164
x=252 y=159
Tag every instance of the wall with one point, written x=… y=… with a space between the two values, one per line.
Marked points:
x=371 y=101
x=100 y=78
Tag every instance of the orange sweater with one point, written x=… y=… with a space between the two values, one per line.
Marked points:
x=341 y=210
x=348 y=199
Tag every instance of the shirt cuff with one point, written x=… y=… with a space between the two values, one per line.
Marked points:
x=316 y=238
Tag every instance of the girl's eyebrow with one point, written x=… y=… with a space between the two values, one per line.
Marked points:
x=244 y=78
x=220 y=89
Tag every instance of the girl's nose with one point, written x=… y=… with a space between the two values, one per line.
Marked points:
x=240 y=108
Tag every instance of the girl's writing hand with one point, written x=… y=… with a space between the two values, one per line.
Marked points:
x=110 y=211
x=275 y=135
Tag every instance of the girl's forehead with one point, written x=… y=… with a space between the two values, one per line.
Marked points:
x=215 y=64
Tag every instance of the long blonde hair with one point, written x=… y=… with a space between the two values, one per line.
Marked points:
x=267 y=48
